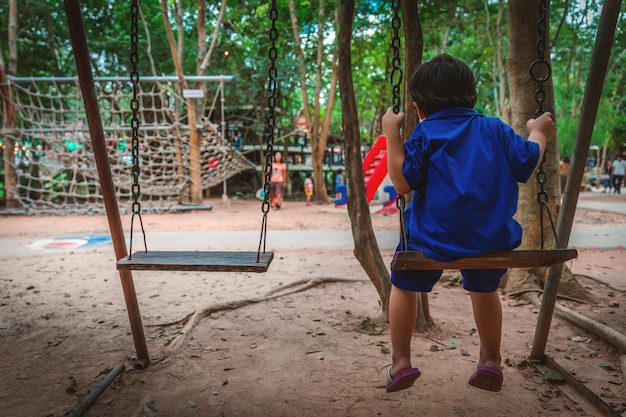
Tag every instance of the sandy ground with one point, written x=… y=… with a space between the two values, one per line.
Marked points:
x=264 y=351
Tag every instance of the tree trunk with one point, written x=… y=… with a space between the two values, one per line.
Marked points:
x=318 y=160
x=202 y=52
x=8 y=111
x=201 y=35
x=148 y=42
x=366 y=248
x=413 y=47
x=522 y=52
x=494 y=63
x=322 y=128
x=317 y=132
x=505 y=109
x=204 y=55
x=195 y=174
x=311 y=128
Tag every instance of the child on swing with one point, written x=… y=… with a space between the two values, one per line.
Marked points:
x=463 y=169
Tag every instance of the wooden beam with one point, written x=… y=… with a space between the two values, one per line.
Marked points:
x=96 y=131
x=197 y=261
x=497 y=260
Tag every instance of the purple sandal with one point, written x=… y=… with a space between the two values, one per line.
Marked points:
x=487 y=378
x=403 y=379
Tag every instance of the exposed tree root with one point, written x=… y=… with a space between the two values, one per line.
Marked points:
x=539 y=290
x=172 y=323
x=288 y=289
x=605 y=332
x=520 y=279
x=585 y=323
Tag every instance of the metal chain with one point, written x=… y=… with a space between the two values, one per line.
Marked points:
x=397 y=75
x=540 y=72
x=134 y=106
x=271 y=124
x=396 y=64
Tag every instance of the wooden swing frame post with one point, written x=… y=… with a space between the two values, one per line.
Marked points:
x=589 y=110
x=162 y=261
x=96 y=131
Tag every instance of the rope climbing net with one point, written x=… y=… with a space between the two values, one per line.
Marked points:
x=53 y=157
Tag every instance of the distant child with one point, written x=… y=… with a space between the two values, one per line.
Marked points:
x=308 y=188
x=278 y=180
x=237 y=141
x=339 y=180
x=463 y=169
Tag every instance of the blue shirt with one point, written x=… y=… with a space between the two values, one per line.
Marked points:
x=464 y=168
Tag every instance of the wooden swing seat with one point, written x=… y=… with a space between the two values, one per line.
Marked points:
x=197 y=261
x=496 y=260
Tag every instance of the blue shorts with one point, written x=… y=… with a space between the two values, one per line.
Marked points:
x=474 y=280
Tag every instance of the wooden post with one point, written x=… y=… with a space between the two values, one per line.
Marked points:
x=589 y=110
x=9 y=133
x=83 y=67
x=195 y=163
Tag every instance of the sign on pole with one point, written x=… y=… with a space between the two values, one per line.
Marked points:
x=193 y=93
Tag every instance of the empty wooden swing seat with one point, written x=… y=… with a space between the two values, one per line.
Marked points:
x=197 y=261
x=414 y=260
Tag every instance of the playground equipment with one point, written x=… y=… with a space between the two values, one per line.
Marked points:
x=415 y=260
x=556 y=256
x=160 y=260
x=375 y=167
x=374 y=171
x=55 y=163
x=195 y=261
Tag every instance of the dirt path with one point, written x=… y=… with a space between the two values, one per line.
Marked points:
x=322 y=351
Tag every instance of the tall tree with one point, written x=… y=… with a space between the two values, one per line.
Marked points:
x=318 y=128
x=498 y=73
x=365 y=246
x=9 y=115
x=413 y=48
x=523 y=50
x=205 y=54
x=194 y=190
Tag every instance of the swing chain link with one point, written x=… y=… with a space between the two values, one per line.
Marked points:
x=397 y=75
x=271 y=105
x=540 y=96
x=396 y=64
x=271 y=125
x=541 y=63
x=134 y=106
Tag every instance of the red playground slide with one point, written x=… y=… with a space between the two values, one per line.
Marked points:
x=375 y=166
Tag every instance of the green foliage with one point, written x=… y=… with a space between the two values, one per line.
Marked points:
x=457 y=27
x=571 y=57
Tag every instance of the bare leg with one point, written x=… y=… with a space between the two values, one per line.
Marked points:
x=488 y=316
x=402 y=316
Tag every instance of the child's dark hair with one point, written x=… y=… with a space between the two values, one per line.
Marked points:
x=441 y=83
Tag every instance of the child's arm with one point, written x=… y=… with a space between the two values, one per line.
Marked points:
x=541 y=131
x=392 y=123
